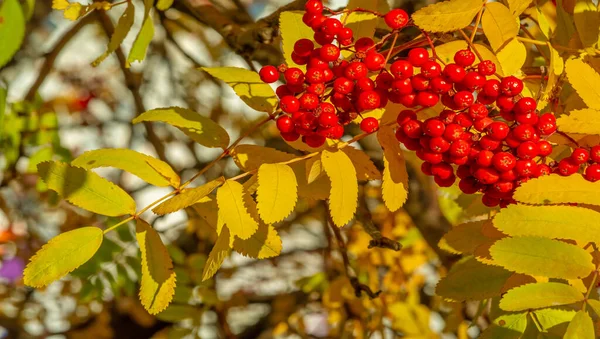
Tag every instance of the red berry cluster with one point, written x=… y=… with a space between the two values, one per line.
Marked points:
x=332 y=92
x=489 y=135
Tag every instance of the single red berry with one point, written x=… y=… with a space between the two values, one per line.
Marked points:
x=309 y=101
x=543 y=169
x=453 y=132
x=544 y=148
x=356 y=70
x=463 y=119
x=419 y=82
x=442 y=170
x=406 y=115
x=314 y=76
x=314 y=6
x=303 y=47
x=454 y=73
x=473 y=81
x=289 y=104
x=434 y=127
x=418 y=56
x=486 y=142
x=396 y=18
x=369 y=125
x=413 y=129
x=525 y=105
x=363 y=44
x=490 y=201
x=546 y=124
x=374 y=61
x=459 y=148
x=314 y=140
x=345 y=33
x=484 y=158
x=269 y=74
x=290 y=136
x=486 y=67
x=329 y=52
x=427 y=99
x=595 y=153
x=431 y=69
x=491 y=88
x=464 y=57
x=401 y=69
x=526 y=168
x=511 y=86
x=486 y=175
x=408 y=100
x=384 y=80
x=429 y=156
x=530 y=118
x=478 y=111
x=524 y=132
x=527 y=150
x=285 y=124
x=328 y=120
x=505 y=104
x=580 y=155
x=294 y=76
x=444 y=182
x=482 y=124
x=369 y=100
x=343 y=85
x=504 y=161
x=317 y=89
x=498 y=130
x=331 y=26
x=463 y=99
x=447 y=116
x=283 y=91
x=325 y=107
x=440 y=85
x=592 y=173
x=468 y=185
x=316 y=23
x=567 y=167
x=426 y=168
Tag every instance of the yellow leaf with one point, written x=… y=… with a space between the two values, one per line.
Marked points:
x=581 y=327
x=142 y=40
x=147 y=168
x=512 y=57
x=86 y=189
x=121 y=30
x=555 y=68
x=587 y=22
x=199 y=128
x=507 y=326
x=465 y=238
x=446 y=52
x=554 y=222
x=539 y=295
x=550 y=317
x=61 y=255
x=447 y=16
x=233 y=212
x=395 y=178
x=163 y=5
x=218 y=253
x=498 y=24
x=265 y=243
x=365 y=169
x=293 y=29
x=565 y=29
x=187 y=197
x=584 y=80
x=277 y=192
x=582 y=121
x=248 y=86
x=542 y=257
x=343 y=198
x=471 y=280
x=157 y=285
x=318 y=189
x=594 y=305
x=60 y=4
x=250 y=157
x=556 y=189
x=207 y=210
x=518 y=6
x=314 y=169
x=73 y=12
x=361 y=23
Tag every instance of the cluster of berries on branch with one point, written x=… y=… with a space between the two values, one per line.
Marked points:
x=489 y=136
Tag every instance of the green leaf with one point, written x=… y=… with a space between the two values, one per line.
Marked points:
x=86 y=189
x=507 y=326
x=248 y=86
x=163 y=5
x=28 y=8
x=158 y=279
x=499 y=25
x=542 y=257
x=199 y=128
x=61 y=255
x=554 y=222
x=277 y=192
x=293 y=29
x=550 y=317
x=147 y=168
x=556 y=189
x=587 y=22
x=142 y=41
x=447 y=16
x=187 y=197
x=12 y=30
x=539 y=295
x=218 y=253
x=121 y=30
x=41 y=155
x=471 y=280
x=581 y=327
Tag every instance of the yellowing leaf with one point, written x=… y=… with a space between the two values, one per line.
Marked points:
x=199 y=128
x=293 y=29
x=248 y=86
x=594 y=305
x=60 y=4
x=187 y=197
x=218 y=253
x=365 y=169
x=465 y=238
x=550 y=317
x=121 y=30
x=518 y=6
x=73 y=11
x=319 y=189
x=498 y=24
x=587 y=22
x=265 y=243
x=250 y=157
x=233 y=212
x=512 y=57
x=555 y=69
x=163 y=5
x=558 y=222
x=395 y=178
x=12 y=29
x=584 y=80
x=207 y=209
x=158 y=279
x=507 y=326
x=277 y=192
x=539 y=295
x=446 y=52
x=314 y=169
x=147 y=168
x=582 y=121
x=556 y=189
x=581 y=327
x=86 y=189
x=343 y=198
x=447 y=16
x=61 y=255
x=471 y=280
x=142 y=40
x=542 y=257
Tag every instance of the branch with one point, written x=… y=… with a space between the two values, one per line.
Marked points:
x=378 y=239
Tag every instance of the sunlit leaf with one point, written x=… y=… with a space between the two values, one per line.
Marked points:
x=587 y=22
x=550 y=317
x=343 y=198
x=556 y=189
x=187 y=197
x=250 y=157
x=447 y=16
x=265 y=243
x=395 y=178
x=144 y=37
x=539 y=295
x=584 y=80
x=518 y=6
x=498 y=24
x=293 y=29
x=233 y=212
x=121 y=29
x=61 y=255
x=365 y=169
x=583 y=121
x=581 y=327
x=277 y=192
x=163 y=5
x=86 y=189
x=218 y=253
x=555 y=69
x=512 y=57
x=12 y=29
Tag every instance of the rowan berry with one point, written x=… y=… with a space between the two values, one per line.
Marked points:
x=396 y=18
x=374 y=61
x=289 y=104
x=369 y=125
x=454 y=73
x=314 y=6
x=511 y=86
x=464 y=58
x=580 y=155
x=592 y=173
x=268 y=74
x=418 y=56
x=401 y=69
x=486 y=67
x=504 y=161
